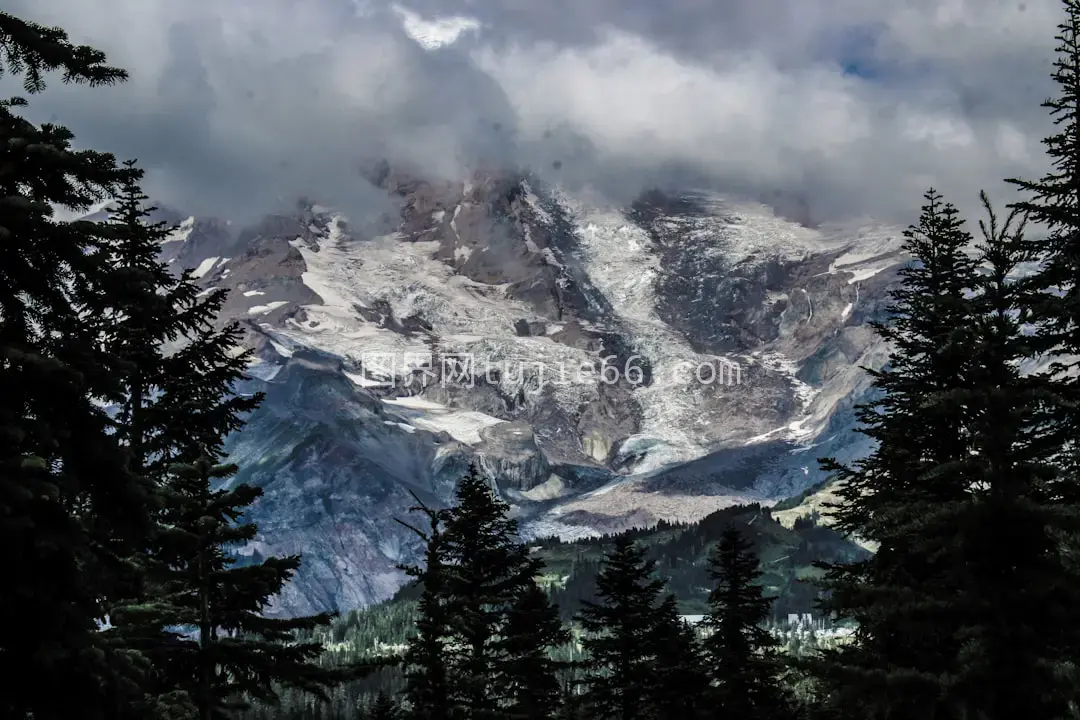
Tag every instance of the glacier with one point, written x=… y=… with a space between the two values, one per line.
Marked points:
x=558 y=340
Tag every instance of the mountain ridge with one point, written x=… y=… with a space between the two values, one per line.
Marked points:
x=535 y=287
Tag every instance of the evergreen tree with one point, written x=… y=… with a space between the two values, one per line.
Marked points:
x=618 y=629
x=904 y=496
x=1054 y=201
x=235 y=652
x=485 y=629
x=143 y=315
x=963 y=611
x=384 y=708
x=178 y=373
x=740 y=651
x=489 y=571
x=427 y=684
x=180 y=370
x=529 y=675
x=32 y=51
x=1016 y=590
x=70 y=512
x=679 y=681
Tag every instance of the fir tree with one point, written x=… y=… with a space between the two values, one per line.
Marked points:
x=143 y=314
x=1016 y=591
x=529 y=675
x=32 y=51
x=489 y=569
x=180 y=370
x=178 y=374
x=904 y=496
x=427 y=684
x=618 y=629
x=485 y=630
x=740 y=652
x=1054 y=202
x=679 y=682
x=383 y=708
x=963 y=611
x=70 y=512
x=236 y=652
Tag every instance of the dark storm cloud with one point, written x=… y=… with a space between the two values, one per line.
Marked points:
x=854 y=106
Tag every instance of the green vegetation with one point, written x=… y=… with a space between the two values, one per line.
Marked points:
x=118 y=390
x=681 y=554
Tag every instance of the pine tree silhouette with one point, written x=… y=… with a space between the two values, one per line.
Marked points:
x=903 y=496
x=236 y=652
x=486 y=630
x=680 y=681
x=528 y=675
x=181 y=369
x=70 y=511
x=1017 y=589
x=427 y=683
x=618 y=629
x=490 y=583
x=740 y=653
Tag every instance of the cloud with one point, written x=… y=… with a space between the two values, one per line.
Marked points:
x=854 y=107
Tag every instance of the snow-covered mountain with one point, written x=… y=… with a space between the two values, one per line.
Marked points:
x=609 y=365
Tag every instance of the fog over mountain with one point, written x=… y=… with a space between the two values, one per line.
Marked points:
x=826 y=109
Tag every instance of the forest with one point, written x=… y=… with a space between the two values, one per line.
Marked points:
x=123 y=598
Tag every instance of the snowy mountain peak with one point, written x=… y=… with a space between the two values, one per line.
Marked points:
x=610 y=365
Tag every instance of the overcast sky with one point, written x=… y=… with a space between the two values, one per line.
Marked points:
x=854 y=105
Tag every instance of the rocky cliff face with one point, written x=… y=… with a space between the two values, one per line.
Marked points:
x=608 y=365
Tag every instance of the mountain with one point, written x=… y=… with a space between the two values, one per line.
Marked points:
x=610 y=366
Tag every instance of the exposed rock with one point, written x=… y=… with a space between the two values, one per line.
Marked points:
x=608 y=366
x=509 y=454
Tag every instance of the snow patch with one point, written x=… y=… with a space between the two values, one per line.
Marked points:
x=548 y=528
x=263 y=370
x=416 y=403
x=181 y=232
x=470 y=317
x=365 y=382
x=780 y=363
x=281 y=349
x=204 y=267
x=462 y=425
x=253 y=293
x=873 y=251
x=620 y=262
x=267 y=308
